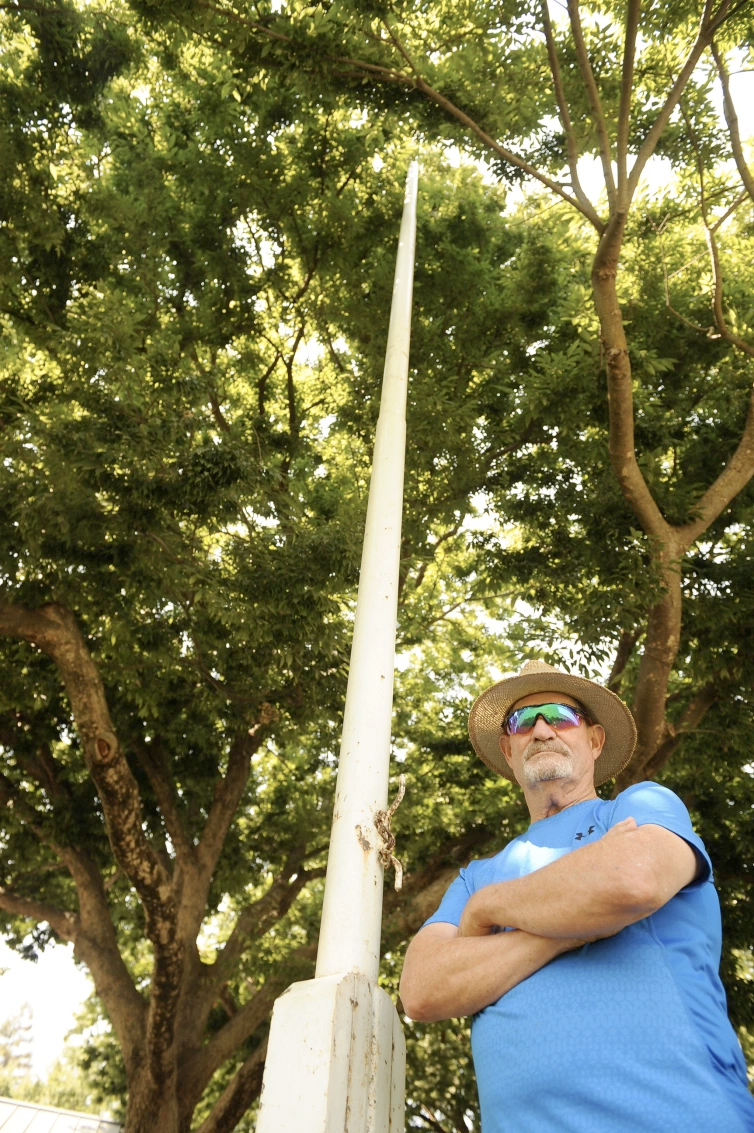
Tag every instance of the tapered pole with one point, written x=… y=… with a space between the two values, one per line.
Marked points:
x=336 y=1054
x=352 y=911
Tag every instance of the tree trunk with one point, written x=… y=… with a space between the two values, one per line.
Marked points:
x=663 y=635
x=660 y=650
x=152 y=1107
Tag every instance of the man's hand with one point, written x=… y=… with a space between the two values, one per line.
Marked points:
x=623 y=827
x=473 y=922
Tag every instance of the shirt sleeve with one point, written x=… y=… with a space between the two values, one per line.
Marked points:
x=650 y=803
x=453 y=903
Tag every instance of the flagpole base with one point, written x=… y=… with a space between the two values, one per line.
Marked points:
x=335 y=1060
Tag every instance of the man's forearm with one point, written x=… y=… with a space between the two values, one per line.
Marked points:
x=594 y=891
x=447 y=977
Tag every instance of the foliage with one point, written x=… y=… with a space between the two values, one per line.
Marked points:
x=195 y=269
x=15 y=1055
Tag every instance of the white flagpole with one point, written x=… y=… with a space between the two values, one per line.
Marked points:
x=352 y=910
x=336 y=1054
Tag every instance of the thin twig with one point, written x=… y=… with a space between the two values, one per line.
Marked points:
x=729 y=212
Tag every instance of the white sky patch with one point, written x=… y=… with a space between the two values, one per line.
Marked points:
x=142 y=93
x=325 y=425
x=311 y=351
x=54 y=987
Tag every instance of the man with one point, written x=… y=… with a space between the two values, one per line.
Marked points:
x=588 y=949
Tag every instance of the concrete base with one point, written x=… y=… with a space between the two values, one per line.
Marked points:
x=336 y=1060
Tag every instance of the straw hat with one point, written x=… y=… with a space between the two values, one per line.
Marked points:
x=604 y=707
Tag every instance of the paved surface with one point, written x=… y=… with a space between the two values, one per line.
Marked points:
x=25 y=1117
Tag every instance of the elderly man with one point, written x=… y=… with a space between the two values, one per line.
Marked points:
x=588 y=949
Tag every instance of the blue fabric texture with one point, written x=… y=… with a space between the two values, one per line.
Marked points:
x=629 y=1033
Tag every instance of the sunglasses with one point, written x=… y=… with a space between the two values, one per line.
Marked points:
x=559 y=716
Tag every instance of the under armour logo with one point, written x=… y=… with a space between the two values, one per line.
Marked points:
x=579 y=836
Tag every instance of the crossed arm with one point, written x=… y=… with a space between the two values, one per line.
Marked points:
x=593 y=892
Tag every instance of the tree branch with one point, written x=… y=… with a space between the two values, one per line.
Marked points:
x=621 y=440
x=386 y=74
x=690 y=719
x=93 y=934
x=661 y=644
x=565 y=117
x=729 y=212
x=594 y=100
x=262 y=383
x=228 y=793
x=513 y=159
x=224 y=1043
x=241 y=1091
x=290 y=385
x=717 y=296
x=709 y=331
x=734 y=477
x=435 y=546
x=431 y=1121
x=65 y=924
x=626 y=90
x=41 y=765
x=707 y=29
x=252 y=924
x=163 y=786
x=626 y=646
x=234 y=16
x=214 y=402
x=96 y=945
x=14 y=800
x=732 y=120
x=54 y=630
x=740 y=468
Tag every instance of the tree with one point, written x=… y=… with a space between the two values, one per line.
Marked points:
x=199 y=255
x=555 y=93
x=15 y=1056
x=649 y=400
x=195 y=291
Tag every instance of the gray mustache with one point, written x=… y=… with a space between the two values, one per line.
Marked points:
x=534 y=747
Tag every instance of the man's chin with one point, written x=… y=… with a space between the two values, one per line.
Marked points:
x=541 y=769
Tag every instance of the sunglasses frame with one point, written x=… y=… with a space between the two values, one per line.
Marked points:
x=546 y=704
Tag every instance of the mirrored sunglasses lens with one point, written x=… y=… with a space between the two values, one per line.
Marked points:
x=558 y=716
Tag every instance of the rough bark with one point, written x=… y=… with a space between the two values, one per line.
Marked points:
x=173 y=897
x=238 y=1095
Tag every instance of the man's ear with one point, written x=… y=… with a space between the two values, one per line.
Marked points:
x=505 y=747
x=597 y=739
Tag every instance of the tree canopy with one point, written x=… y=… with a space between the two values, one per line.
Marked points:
x=200 y=208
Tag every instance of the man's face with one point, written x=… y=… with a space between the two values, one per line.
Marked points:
x=544 y=754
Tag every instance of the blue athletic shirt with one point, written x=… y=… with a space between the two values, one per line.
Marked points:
x=624 y=1035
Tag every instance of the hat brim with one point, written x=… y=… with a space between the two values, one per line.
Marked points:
x=604 y=707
